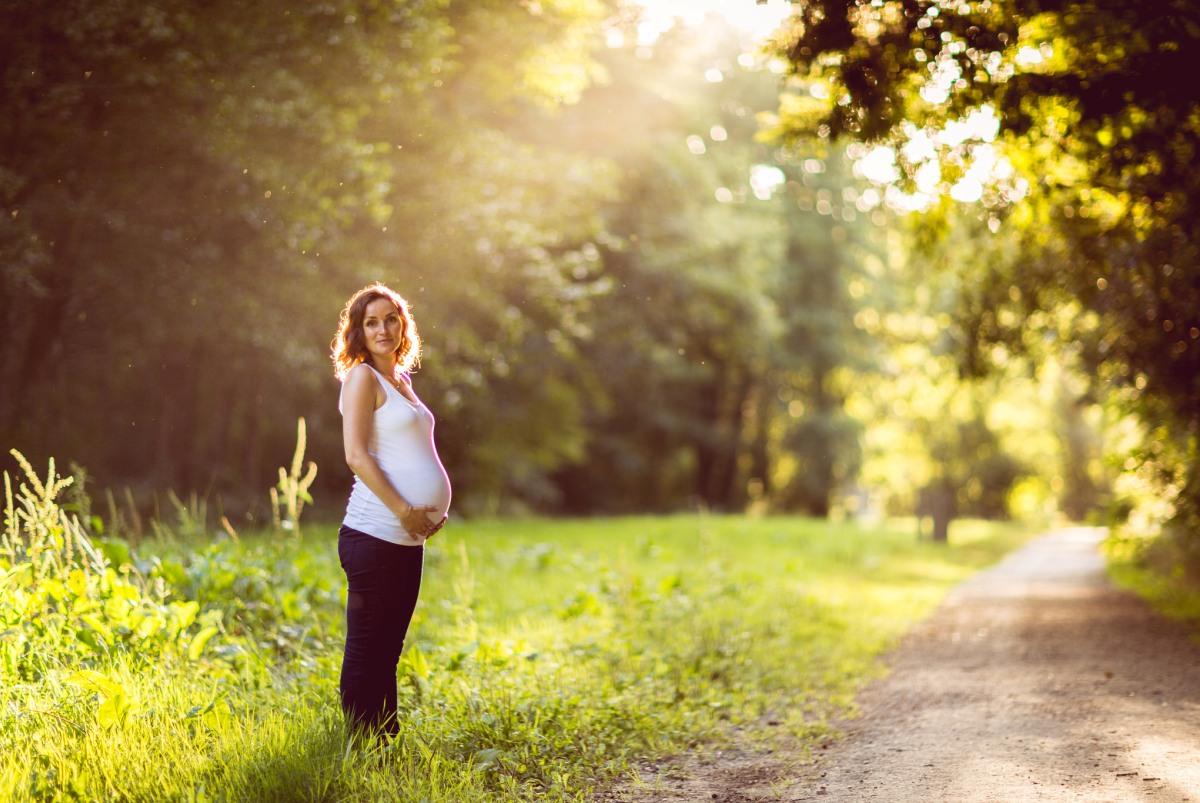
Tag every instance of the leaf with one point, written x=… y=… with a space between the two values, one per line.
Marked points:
x=94 y=681
x=172 y=572
x=148 y=625
x=415 y=659
x=117 y=552
x=457 y=660
x=114 y=711
x=114 y=706
x=95 y=633
x=199 y=641
x=180 y=616
x=487 y=757
x=201 y=710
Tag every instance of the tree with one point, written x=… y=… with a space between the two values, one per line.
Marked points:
x=821 y=350
x=1091 y=109
x=723 y=342
x=148 y=154
x=190 y=193
x=680 y=337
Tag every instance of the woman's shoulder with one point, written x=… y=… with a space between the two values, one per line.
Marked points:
x=361 y=390
x=358 y=373
x=360 y=376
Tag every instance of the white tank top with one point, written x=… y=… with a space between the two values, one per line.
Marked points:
x=402 y=444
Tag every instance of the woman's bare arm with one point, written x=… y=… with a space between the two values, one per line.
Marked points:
x=361 y=396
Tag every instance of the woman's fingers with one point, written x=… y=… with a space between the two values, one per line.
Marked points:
x=420 y=525
x=427 y=531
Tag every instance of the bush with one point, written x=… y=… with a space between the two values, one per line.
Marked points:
x=70 y=602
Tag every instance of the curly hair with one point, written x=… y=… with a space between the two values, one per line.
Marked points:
x=349 y=346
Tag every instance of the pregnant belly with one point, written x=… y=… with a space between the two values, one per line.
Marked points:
x=426 y=485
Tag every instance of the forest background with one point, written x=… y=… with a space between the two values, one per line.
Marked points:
x=652 y=273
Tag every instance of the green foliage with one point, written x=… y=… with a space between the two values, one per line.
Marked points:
x=225 y=179
x=823 y=350
x=1164 y=572
x=114 y=702
x=935 y=441
x=1101 y=225
x=619 y=312
x=293 y=487
x=545 y=658
x=71 y=602
x=721 y=339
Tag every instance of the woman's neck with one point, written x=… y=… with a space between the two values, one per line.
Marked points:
x=385 y=366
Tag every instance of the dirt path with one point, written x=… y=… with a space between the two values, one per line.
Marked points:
x=1035 y=681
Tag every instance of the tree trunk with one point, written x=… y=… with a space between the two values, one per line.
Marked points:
x=941 y=507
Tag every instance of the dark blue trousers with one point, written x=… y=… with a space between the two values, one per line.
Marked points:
x=384 y=580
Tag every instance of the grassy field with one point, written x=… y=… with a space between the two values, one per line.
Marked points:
x=1158 y=571
x=546 y=656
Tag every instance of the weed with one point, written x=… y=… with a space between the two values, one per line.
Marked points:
x=546 y=657
x=293 y=486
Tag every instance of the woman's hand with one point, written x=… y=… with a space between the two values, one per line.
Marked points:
x=437 y=527
x=417 y=524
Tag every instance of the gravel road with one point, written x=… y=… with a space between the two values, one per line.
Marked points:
x=1036 y=680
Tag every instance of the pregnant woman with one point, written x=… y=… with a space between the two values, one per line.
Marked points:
x=400 y=498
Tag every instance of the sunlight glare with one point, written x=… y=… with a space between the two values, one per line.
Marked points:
x=927 y=177
x=968 y=190
x=759 y=20
x=936 y=89
x=765 y=179
x=879 y=165
x=1029 y=56
x=919 y=148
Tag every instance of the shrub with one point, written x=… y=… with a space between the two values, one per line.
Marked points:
x=67 y=601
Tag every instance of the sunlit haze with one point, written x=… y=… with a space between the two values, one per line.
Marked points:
x=758 y=19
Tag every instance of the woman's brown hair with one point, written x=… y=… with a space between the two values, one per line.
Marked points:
x=349 y=346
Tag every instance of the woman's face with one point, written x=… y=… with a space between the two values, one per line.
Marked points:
x=383 y=328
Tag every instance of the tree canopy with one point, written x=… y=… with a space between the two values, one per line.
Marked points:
x=1095 y=107
x=630 y=298
x=190 y=192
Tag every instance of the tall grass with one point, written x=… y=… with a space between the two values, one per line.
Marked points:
x=1161 y=571
x=545 y=657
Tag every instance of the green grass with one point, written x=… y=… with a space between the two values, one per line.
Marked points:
x=1158 y=571
x=546 y=656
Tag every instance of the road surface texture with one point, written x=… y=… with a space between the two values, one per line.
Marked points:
x=1036 y=680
